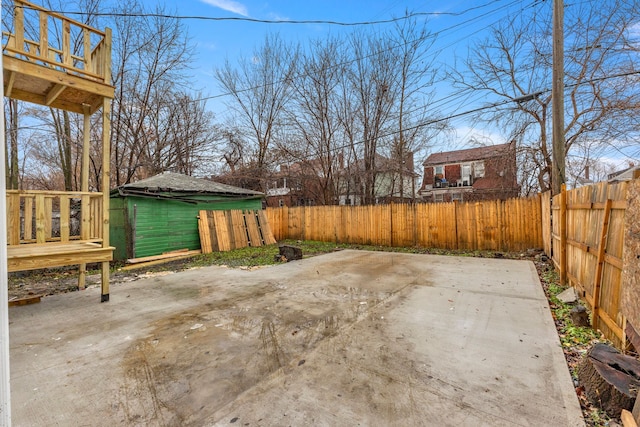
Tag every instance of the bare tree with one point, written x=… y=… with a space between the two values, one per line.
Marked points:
x=371 y=78
x=514 y=64
x=312 y=115
x=151 y=60
x=259 y=89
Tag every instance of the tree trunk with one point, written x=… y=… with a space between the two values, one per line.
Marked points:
x=611 y=380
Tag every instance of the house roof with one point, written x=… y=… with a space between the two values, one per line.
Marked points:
x=175 y=182
x=468 y=155
x=623 y=175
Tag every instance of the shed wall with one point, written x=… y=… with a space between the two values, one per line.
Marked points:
x=158 y=226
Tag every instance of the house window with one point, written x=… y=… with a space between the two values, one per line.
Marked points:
x=456 y=196
x=466 y=175
x=347 y=202
x=438 y=197
x=478 y=169
x=438 y=175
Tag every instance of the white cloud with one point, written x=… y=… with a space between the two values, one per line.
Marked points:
x=228 y=5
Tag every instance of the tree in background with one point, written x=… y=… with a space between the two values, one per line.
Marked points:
x=157 y=122
x=332 y=107
x=601 y=97
x=259 y=89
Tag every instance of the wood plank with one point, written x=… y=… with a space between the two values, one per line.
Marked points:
x=600 y=263
x=615 y=328
x=85 y=216
x=28 y=218
x=53 y=94
x=40 y=215
x=25 y=301
x=66 y=42
x=65 y=215
x=614 y=261
x=204 y=232
x=212 y=232
x=48 y=217
x=86 y=49
x=240 y=238
x=46 y=255
x=13 y=219
x=178 y=257
x=221 y=230
x=44 y=36
x=18 y=22
x=251 y=220
x=8 y=85
x=169 y=255
x=265 y=227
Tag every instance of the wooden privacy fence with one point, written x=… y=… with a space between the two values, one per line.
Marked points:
x=510 y=225
x=586 y=229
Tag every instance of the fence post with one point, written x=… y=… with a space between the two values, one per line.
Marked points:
x=455 y=219
x=563 y=235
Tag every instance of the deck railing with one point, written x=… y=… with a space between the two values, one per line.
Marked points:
x=90 y=58
x=53 y=216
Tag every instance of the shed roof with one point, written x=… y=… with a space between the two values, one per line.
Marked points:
x=175 y=182
x=468 y=155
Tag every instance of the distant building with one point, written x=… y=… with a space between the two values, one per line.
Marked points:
x=293 y=185
x=482 y=173
x=627 y=174
x=395 y=181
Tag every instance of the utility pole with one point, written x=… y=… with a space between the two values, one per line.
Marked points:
x=557 y=96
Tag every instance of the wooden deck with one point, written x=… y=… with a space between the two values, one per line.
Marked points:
x=58 y=254
x=38 y=72
x=54 y=61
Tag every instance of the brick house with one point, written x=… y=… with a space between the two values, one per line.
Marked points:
x=482 y=173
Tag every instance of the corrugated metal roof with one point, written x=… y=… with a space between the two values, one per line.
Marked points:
x=468 y=155
x=175 y=182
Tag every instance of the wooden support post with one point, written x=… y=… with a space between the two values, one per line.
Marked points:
x=106 y=184
x=602 y=246
x=563 y=235
x=106 y=163
x=84 y=180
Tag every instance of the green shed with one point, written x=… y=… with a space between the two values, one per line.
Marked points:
x=160 y=214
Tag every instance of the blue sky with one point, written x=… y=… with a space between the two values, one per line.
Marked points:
x=218 y=40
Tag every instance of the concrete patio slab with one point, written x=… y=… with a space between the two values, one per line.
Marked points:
x=348 y=338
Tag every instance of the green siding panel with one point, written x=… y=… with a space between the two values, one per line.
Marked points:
x=160 y=226
x=117 y=228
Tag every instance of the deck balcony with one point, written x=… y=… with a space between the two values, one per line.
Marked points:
x=59 y=62
x=54 y=61
x=53 y=228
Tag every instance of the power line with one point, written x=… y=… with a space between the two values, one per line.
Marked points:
x=474 y=110
x=351 y=61
x=273 y=21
